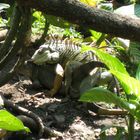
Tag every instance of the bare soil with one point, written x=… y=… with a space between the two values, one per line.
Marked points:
x=62 y=114
x=67 y=116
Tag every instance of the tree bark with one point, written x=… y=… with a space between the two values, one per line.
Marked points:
x=89 y=17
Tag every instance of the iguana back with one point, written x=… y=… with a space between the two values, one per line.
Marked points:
x=61 y=51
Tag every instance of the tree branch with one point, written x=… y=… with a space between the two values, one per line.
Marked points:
x=89 y=17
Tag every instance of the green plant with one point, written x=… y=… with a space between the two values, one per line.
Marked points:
x=3 y=6
x=10 y=122
x=120 y=132
x=130 y=85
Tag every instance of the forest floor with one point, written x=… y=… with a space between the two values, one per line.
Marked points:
x=62 y=114
x=67 y=116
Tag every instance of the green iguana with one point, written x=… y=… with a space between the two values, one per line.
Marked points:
x=76 y=66
x=67 y=55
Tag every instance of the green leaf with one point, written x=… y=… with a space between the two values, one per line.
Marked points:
x=99 y=94
x=57 y=21
x=10 y=122
x=4 y=6
x=133 y=51
x=118 y=135
x=124 y=43
x=95 y=35
x=111 y=62
x=129 y=84
x=106 y=6
x=90 y=2
x=132 y=10
x=138 y=73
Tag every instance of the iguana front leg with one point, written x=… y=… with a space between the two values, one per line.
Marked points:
x=57 y=81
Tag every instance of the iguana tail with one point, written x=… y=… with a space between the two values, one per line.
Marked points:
x=83 y=71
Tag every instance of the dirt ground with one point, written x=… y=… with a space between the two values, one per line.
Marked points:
x=62 y=114
x=67 y=116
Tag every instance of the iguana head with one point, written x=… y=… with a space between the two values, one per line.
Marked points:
x=45 y=54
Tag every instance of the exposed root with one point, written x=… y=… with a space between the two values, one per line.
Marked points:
x=103 y=111
x=29 y=122
x=34 y=118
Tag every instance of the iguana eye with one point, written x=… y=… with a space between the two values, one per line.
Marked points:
x=41 y=50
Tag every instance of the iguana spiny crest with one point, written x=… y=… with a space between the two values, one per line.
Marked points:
x=57 y=50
